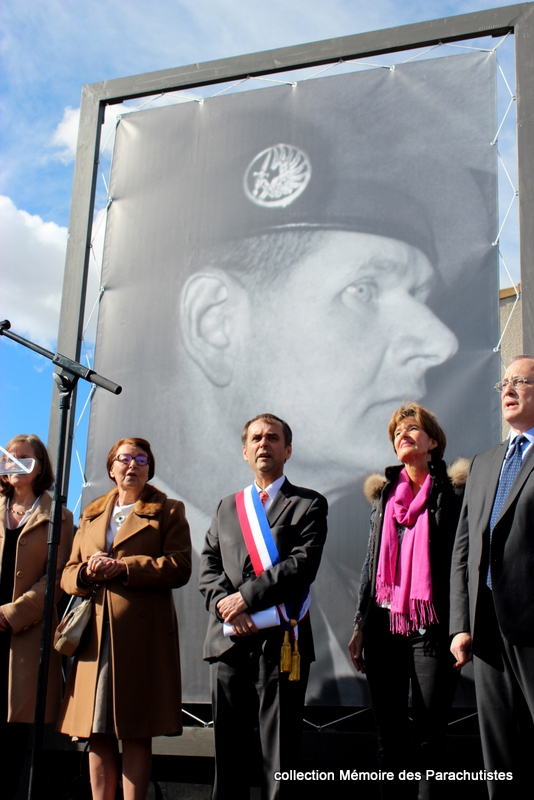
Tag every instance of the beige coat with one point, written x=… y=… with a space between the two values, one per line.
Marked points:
x=155 y=545
x=25 y=613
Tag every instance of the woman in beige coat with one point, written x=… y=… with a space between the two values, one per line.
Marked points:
x=24 y=520
x=133 y=548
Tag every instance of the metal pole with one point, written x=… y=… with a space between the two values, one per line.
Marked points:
x=66 y=386
x=66 y=381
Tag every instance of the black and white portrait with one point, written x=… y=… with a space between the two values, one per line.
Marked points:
x=319 y=251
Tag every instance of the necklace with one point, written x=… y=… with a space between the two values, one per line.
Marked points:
x=21 y=513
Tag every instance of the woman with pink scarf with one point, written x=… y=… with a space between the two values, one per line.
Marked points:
x=400 y=635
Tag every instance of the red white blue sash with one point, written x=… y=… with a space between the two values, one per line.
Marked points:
x=261 y=546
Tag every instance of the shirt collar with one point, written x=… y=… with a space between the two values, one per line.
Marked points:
x=273 y=488
x=527 y=434
x=526 y=446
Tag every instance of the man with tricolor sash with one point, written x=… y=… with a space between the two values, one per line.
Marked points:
x=261 y=554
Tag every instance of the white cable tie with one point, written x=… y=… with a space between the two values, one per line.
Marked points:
x=106 y=187
x=510 y=104
x=271 y=80
x=367 y=64
x=111 y=134
x=422 y=53
x=505 y=265
x=233 y=85
x=510 y=181
x=504 y=38
x=87 y=401
x=95 y=306
x=504 y=220
x=470 y=47
x=150 y=100
x=100 y=221
x=516 y=301
x=325 y=69
x=80 y=465
x=503 y=76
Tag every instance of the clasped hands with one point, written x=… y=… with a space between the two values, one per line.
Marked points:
x=101 y=567
x=232 y=609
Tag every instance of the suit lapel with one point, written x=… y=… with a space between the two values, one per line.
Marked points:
x=97 y=528
x=491 y=480
x=281 y=503
x=131 y=525
x=40 y=515
x=526 y=468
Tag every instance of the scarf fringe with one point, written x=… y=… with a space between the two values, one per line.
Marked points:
x=422 y=614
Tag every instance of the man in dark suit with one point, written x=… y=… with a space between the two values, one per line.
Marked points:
x=247 y=682
x=492 y=587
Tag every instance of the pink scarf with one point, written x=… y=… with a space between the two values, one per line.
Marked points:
x=405 y=580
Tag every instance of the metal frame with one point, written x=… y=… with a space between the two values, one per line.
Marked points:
x=517 y=19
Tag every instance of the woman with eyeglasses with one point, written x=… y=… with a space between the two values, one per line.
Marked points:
x=24 y=521
x=132 y=549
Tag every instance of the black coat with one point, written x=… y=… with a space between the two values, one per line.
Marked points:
x=297 y=518
x=512 y=551
x=444 y=510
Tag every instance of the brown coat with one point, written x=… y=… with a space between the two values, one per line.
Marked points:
x=25 y=613
x=155 y=545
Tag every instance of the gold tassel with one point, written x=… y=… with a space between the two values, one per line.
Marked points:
x=285 y=654
x=294 y=675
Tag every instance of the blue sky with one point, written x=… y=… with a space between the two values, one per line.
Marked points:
x=49 y=50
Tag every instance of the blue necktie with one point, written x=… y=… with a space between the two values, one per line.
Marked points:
x=511 y=466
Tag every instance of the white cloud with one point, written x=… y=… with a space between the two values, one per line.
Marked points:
x=66 y=134
x=33 y=261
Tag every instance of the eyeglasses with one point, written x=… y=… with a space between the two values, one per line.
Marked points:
x=126 y=458
x=517 y=383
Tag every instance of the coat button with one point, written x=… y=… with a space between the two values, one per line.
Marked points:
x=22 y=542
x=20 y=574
x=25 y=628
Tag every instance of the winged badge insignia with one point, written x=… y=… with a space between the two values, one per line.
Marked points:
x=277 y=176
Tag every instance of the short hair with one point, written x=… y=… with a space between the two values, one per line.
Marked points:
x=135 y=441
x=425 y=419
x=520 y=358
x=267 y=256
x=288 y=433
x=44 y=479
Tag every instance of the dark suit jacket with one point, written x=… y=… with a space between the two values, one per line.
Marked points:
x=512 y=552
x=298 y=521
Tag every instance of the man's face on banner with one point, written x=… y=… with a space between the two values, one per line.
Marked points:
x=341 y=343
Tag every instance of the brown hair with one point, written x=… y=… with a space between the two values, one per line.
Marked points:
x=425 y=419
x=45 y=478
x=135 y=441
x=288 y=433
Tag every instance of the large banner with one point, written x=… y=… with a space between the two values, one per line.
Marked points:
x=321 y=251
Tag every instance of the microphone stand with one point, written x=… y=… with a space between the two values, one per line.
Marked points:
x=66 y=381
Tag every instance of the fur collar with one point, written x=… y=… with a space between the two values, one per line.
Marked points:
x=457 y=472
x=149 y=504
